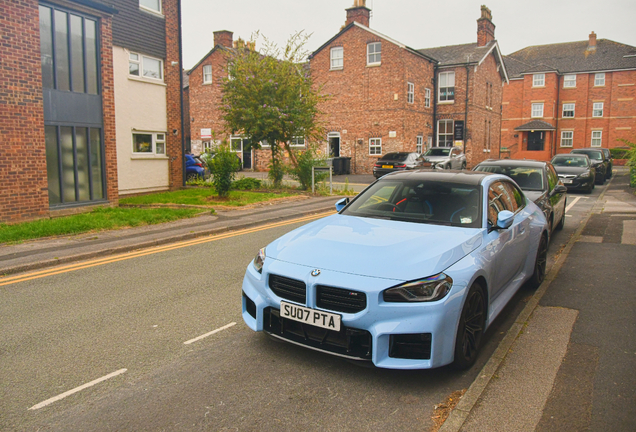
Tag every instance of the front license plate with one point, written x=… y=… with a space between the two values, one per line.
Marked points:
x=309 y=316
x=567 y=181
x=387 y=166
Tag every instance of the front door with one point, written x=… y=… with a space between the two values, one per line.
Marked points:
x=334 y=145
x=535 y=141
x=247 y=157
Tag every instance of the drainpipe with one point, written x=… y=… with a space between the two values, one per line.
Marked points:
x=183 y=163
x=434 y=101
x=554 y=136
x=466 y=113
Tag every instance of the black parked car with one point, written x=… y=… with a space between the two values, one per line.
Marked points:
x=398 y=161
x=608 y=156
x=539 y=182
x=599 y=162
x=575 y=171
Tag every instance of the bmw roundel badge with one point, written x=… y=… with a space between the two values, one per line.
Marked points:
x=315 y=272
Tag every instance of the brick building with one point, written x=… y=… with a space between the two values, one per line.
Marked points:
x=59 y=151
x=568 y=95
x=388 y=97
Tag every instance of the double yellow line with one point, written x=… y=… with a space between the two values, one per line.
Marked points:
x=101 y=261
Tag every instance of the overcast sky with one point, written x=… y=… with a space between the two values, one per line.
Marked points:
x=415 y=23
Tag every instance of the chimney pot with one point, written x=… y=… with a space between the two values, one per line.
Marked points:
x=359 y=13
x=485 y=27
x=592 y=43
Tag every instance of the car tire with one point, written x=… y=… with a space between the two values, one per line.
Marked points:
x=192 y=177
x=447 y=167
x=470 y=330
x=463 y=166
x=561 y=223
x=540 y=263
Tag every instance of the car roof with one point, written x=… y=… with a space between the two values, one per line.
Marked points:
x=586 y=150
x=449 y=176
x=571 y=155
x=513 y=163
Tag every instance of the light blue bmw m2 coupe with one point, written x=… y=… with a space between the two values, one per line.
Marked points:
x=408 y=274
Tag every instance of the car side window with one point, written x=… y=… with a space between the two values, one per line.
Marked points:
x=553 y=178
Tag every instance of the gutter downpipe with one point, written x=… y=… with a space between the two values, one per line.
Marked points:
x=183 y=163
x=466 y=110
x=434 y=141
x=556 y=131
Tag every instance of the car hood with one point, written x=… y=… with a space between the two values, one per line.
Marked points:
x=570 y=170
x=375 y=247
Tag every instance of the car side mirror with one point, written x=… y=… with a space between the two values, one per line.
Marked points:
x=505 y=219
x=340 y=204
x=558 y=189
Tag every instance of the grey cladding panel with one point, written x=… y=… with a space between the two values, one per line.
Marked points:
x=80 y=109
x=137 y=30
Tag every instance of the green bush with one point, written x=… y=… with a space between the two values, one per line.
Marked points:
x=247 y=183
x=223 y=167
x=302 y=172
x=276 y=172
x=619 y=153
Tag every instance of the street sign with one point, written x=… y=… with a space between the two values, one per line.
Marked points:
x=458 y=132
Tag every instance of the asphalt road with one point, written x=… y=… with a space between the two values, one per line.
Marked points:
x=131 y=317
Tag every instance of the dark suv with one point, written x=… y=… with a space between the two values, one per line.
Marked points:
x=600 y=163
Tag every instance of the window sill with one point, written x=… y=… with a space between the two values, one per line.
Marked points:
x=568 y=88
x=446 y=102
x=207 y=83
x=538 y=87
x=336 y=69
x=370 y=65
x=148 y=157
x=147 y=80
x=151 y=12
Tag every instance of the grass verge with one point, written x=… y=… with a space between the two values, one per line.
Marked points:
x=102 y=218
x=203 y=197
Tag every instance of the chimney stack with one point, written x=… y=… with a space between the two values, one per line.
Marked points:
x=223 y=38
x=485 y=27
x=592 y=44
x=359 y=12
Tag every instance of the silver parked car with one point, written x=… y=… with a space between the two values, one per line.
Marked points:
x=445 y=158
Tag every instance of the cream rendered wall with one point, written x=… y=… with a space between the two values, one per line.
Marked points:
x=140 y=105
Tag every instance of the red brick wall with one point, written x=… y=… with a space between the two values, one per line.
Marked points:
x=173 y=93
x=369 y=102
x=23 y=184
x=618 y=121
x=108 y=104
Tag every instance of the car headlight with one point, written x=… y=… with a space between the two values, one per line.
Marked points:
x=424 y=290
x=259 y=259
x=585 y=174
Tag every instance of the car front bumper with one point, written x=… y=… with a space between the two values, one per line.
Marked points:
x=391 y=335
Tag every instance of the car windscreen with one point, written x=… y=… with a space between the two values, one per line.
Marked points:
x=438 y=152
x=592 y=154
x=528 y=178
x=570 y=161
x=420 y=201
x=400 y=157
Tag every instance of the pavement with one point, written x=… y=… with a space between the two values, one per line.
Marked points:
x=567 y=363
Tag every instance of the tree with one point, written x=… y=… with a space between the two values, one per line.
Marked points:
x=269 y=97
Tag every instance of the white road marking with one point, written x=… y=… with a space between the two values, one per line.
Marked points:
x=574 y=201
x=77 y=389
x=210 y=333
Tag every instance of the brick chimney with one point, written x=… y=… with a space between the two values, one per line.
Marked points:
x=591 y=46
x=359 y=13
x=223 y=38
x=485 y=27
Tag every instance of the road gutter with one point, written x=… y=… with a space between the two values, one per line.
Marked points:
x=459 y=415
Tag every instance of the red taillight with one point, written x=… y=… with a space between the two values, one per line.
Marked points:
x=199 y=165
x=378 y=165
x=400 y=166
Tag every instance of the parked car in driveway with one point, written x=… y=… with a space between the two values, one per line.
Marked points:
x=398 y=161
x=195 y=168
x=610 y=160
x=445 y=158
x=599 y=162
x=575 y=171
x=409 y=274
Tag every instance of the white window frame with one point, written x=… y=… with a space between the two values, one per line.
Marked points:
x=375 y=146
x=297 y=141
x=567 y=139
x=536 y=113
x=138 y=59
x=157 y=11
x=333 y=59
x=596 y=108
x=427 y=98
x=419 y=144
x=207 y=74
x=567 y=107
x=597 y=141
x=410 y=92
x=569 y=81
x=599 y=79
x=538 y=80
x=447 y=76
x=375 y=55
x=157 y=146
x=451 y=134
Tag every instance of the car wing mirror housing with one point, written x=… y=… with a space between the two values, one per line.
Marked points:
x=340 y=204
x=505 y=219
x=558 y=189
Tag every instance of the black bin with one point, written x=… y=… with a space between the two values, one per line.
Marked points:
x=337 y=165
x=346 y=166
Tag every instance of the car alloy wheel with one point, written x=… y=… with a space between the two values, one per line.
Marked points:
x=471 y=328
x=192 y=177
x=540 y=264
